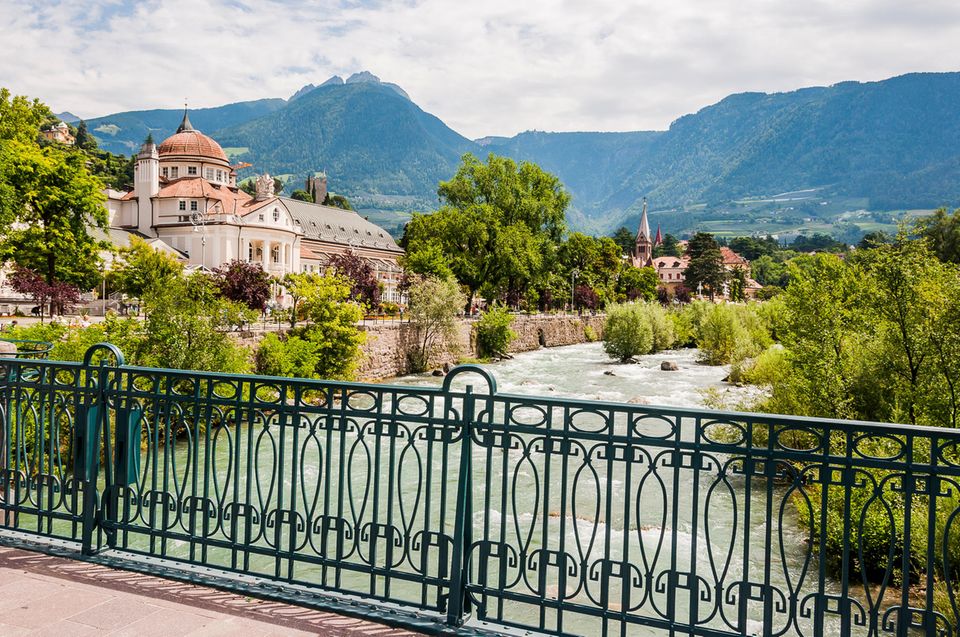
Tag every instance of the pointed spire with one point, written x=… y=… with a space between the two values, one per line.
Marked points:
x=659 y=240
x=185 y=124
x=643 y=232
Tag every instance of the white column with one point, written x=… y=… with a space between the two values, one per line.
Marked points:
x=265 y=261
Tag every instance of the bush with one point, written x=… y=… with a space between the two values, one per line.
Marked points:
x=493 y=331
x=292 y=356
x=589 y=333
x=633 y=329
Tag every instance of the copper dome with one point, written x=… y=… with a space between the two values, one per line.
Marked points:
x=194 y=143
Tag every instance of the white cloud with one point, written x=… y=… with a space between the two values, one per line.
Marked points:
x=492 y=67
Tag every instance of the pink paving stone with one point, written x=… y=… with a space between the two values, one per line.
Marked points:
x=116 y=613
x=41 y=595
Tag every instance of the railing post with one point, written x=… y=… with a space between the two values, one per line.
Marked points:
x=91 y=425
x=87 y=458
x=457 y=603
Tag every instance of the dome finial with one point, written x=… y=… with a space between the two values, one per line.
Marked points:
x=185 y=124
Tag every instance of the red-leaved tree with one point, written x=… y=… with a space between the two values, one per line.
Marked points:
x=244 y=282
x=57 y=294
x=585 y=298
x=364 y=286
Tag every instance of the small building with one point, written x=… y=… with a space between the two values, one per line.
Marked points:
x=58 y=132
x=670 y=271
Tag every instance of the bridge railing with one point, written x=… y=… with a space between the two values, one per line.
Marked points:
x=470 y=505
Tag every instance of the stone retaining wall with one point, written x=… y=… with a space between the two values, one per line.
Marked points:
x=385 y=352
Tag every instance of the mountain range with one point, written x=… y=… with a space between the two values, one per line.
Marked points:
x=753 y=161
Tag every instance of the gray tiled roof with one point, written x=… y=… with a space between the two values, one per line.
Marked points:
x=326 y=223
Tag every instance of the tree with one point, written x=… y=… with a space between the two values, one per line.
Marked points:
x=249 y=186
x=874 y=239
x=301 y=195
x=706 y=264
x=585 y=298
x=942 y=231
x=57 y=294
x=752 y=248
x=364 y=286
x=140 y=268
x=632 y=329
x=638 y=283
x=21 y=118
x=56 y=201
x=738 y=284
x=496 y=228
x=185 y=327
x=768 y=271
x=337 y=201
x=625 y=240
x=428 y=261
x=83 y=139
x=598 y=263
x=244 y=282
x=669 y=248
x=331 y=324
x=434 y=304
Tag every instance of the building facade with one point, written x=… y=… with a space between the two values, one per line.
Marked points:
x=185 y=195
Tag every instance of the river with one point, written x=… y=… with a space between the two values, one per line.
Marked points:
x=581 y=371
x=586 y=372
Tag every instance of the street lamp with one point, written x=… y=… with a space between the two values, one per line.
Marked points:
x=573 y=278
x=199 y=222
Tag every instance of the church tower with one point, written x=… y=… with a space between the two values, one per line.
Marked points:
x=643 y=250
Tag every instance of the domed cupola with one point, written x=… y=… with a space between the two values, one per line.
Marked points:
x=188 y=142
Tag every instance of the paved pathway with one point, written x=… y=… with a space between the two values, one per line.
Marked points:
x=43 y=595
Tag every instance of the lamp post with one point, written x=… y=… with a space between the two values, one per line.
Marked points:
x=573 y=279
x=199 y=222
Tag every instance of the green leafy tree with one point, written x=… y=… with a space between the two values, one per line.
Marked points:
x=83 y=139
x=140 y=267
x=289 y=356
x=738 y=284
x=21 y=117
x=56 y=201
x=429 y=260
x=624 y=240
x=706 y=264
x=942 y=231
x=186 y=324
x=337 y=201
x=496 y=227
x=638 y=283
x=768 y=271
x=331 y=324
x=301 y=195
x=434 y=305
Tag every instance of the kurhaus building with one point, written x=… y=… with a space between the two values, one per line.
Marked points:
x=185 y=195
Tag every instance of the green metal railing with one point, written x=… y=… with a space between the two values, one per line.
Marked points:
x=464 y=504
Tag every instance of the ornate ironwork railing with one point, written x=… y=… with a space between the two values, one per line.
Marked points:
x=554 y=515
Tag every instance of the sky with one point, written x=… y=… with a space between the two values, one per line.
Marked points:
x=485 y=67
